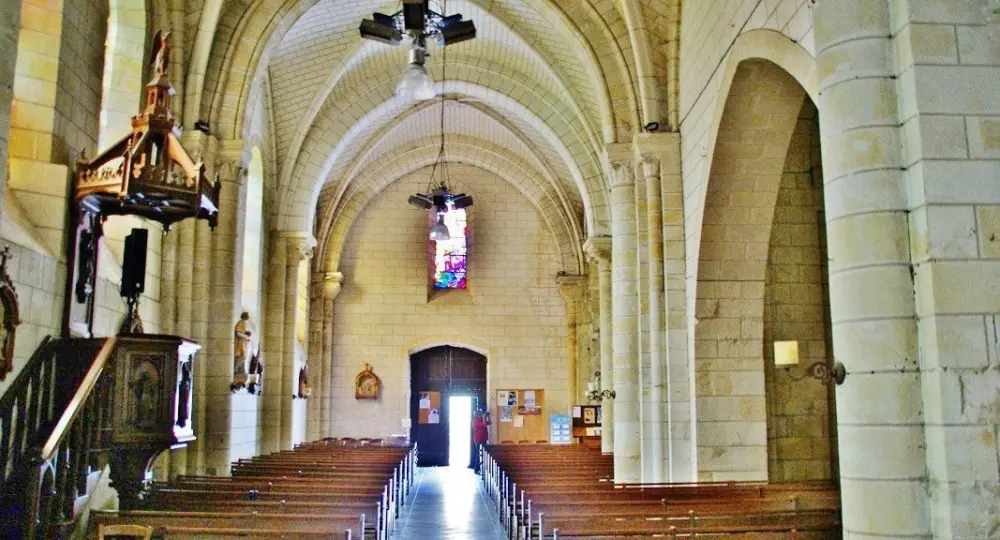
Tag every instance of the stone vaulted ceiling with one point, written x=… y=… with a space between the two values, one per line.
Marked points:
x=536 y=96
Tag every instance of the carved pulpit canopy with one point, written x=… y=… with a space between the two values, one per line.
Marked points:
x=367 y=384
x=148 y=173
x=9 y=316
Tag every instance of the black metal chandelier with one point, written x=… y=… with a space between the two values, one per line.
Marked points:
x=418 y=21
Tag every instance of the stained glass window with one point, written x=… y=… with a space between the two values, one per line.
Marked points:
x=450 y=256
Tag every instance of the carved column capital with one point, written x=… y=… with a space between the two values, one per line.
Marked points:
x=598 y=249
x=299 y=246
x=232 y=162
x=571 y=288
x=332 y=284
x=619 y=162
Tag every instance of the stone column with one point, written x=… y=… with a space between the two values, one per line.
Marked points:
x=879 y=409
x=274 y=396
x=317 y=367
x=642 y=289
x=331 y=289
x=598 y=248
x=299 y=248
x=654 y=463
x=625 y=313
x=572 y=289
x=223 y=307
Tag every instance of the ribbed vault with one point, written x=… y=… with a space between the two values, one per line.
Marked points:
x=549 y=83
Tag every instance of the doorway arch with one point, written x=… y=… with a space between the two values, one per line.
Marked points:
x=450 y=371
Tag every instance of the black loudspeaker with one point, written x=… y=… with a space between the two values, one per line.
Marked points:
x=134 y=263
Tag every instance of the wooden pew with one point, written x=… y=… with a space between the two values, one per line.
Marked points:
x=320 y=490
x=568 y=488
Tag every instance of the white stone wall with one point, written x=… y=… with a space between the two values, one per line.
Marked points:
x=512 y=311
x=800 y=428
x=708 y=29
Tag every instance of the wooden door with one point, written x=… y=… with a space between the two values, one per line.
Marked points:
x=452 y=371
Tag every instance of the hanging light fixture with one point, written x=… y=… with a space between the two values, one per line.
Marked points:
x=440 y=198
x=416 y=84
x=420 y=23
x=439 y=232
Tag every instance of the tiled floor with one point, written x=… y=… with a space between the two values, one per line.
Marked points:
x=448 y=503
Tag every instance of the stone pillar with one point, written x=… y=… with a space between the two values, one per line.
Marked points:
x=948 y=57
x=654 y=463
x=331 y=289
x=274 y=396
x=625 y=313
x=598 y=248
x=642 y=341
x=223 y=303
x=317 y=367
x=879 y=409
x=298 y=248
x=572 y=289
x=659 y=154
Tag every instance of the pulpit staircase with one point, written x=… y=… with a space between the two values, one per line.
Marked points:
x=63 y=419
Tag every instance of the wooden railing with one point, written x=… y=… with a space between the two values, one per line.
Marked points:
x=54 y=417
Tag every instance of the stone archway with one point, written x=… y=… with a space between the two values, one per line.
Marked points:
x=758 y=123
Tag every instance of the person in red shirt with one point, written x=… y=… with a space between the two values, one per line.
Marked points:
x=480 y=435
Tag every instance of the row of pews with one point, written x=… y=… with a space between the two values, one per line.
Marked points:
x=326 y=489
x=548 y=491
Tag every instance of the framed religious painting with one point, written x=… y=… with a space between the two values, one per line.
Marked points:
x=9 y=316
x=367 y=384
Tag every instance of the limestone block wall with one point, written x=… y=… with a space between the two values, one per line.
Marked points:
x=10 y=20
x=81 y=66
x=512 y=311
x=708 y=28
x=800 y=428
x=780 y=30
x=948 y=60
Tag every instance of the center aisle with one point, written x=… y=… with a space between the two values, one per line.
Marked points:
x=448 y=503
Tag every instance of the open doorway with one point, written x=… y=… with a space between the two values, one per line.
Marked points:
x=459 y=430
x=438 y=374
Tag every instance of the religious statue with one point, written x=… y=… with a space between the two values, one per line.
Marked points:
x=304 y=389
x=241 y=346
x=184 y=396
x=161 y=53
x=255 y=377
x=9 y=316
x=367 y=384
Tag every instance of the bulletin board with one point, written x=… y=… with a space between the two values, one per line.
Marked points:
x=587 y=421
x=429 y=401
x=523 y=417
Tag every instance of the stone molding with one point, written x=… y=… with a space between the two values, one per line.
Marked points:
x=332 y=285
x=231 y=162
x=598 y=249
x=572 y=288
x=299 y=246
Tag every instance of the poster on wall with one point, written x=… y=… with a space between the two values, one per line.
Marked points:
x=560 y=429
x=529 y=398
x=506 y=414
x=519 y=421
x=429 y=408
x=589 y=416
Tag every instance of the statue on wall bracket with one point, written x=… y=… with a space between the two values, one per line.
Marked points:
x=367 y=384
x=242 y=340
x=9 y=316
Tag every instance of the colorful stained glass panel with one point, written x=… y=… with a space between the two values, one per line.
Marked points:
x=450 y=256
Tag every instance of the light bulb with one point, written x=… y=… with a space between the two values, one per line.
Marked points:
x=439 y=232
x=416 y=84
